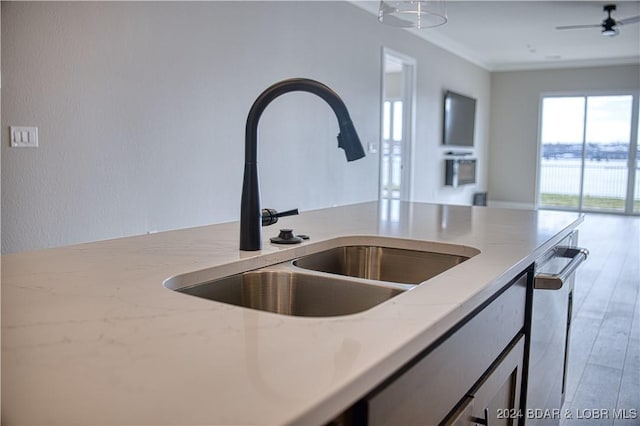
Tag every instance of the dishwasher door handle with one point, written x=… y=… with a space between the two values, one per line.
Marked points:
x=546 y=281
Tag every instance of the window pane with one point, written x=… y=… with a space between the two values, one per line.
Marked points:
x=562 y=137
x=396 y=176
x=397 y=121
x=384 y=175
x=386 y=120
x=607 y=152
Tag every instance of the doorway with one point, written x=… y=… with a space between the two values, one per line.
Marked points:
x=589 y=153
x=397 y=125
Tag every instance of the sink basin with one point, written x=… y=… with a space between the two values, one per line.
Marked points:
x=381 y=263
x=352 y=275
x=293 y=293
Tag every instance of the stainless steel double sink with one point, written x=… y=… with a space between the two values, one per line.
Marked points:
x=342 y=280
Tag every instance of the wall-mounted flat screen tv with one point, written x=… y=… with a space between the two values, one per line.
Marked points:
x=459 y=119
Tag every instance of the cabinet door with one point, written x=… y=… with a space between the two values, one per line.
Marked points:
x=428 y=389
x=495 y=400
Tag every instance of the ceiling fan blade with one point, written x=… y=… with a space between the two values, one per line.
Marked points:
x=575 y=27
x=626 y=21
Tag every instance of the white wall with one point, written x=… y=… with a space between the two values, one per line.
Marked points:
x=141 y=109
x=0 y=144
x=514 y=121
x=448 y=72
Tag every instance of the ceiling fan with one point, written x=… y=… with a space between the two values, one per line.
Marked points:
x=609 y=25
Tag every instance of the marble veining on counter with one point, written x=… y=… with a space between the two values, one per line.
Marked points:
x=90 y=335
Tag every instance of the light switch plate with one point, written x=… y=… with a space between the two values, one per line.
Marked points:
x=23 y=137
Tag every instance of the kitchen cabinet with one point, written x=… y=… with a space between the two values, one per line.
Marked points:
x=475 y=366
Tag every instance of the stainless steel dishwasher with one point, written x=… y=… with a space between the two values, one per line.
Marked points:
x=552 y=300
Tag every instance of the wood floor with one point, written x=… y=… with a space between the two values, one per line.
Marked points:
x=604 y=372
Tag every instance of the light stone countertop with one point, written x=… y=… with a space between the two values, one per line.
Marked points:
x=91 y=336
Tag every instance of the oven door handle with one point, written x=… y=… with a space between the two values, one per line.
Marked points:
x=545 y=281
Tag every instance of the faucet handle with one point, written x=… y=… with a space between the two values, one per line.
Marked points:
x=270 y=216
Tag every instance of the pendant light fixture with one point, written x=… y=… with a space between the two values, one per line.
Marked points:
x=412 y=13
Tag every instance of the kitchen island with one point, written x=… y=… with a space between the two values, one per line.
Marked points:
x=90 y=335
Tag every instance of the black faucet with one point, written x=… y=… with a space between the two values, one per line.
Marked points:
x=250 y=212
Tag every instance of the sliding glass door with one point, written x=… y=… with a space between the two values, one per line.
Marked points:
x=588 y=153
x=636 y=192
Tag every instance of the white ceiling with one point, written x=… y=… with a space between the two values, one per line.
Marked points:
x=517 y=35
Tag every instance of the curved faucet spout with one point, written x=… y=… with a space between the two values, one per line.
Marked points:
x=250 y=216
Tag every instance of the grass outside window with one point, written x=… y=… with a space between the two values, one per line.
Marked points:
x=589 y=202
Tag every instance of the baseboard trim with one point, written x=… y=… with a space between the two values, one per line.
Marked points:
x=510 y=205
